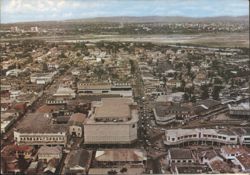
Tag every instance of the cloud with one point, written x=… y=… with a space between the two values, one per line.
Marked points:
x=32 y=10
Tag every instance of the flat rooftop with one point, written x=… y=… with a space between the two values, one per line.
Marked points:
x=114 y=108
x=39 y=123
x=162 y=110
x=94 y=86
x=241 y=106
x=41 y=74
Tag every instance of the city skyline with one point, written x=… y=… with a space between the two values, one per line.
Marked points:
x=46 y=10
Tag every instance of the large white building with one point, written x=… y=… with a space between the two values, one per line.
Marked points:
x=222 y=136
x=41 y=78
x=240 y=110
x=38 y=129
x=112 y=121
x=65 y=92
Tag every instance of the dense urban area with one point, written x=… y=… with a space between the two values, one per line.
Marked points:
x=70 y=105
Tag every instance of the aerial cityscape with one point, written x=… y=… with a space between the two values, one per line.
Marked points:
x=120 y=87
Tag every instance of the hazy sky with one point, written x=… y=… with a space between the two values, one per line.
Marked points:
x=37 y=10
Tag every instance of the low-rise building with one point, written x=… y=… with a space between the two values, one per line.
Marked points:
x=47 y=153
x=24 y=151
x=13 y=72
x=65 y=93
x=240 y=110
x=205 y=107
x=77 y=161
x=180 y=155
x=76 y=122
x=165 y=114
x=129 y=161
x=230 y=152
x=7 y=120
x=38 y=129
x=193 y=168
x=243 y=161
x=41 y=78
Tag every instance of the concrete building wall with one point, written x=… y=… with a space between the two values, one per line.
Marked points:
x=113 y=133
x=40 y=138
x=77 y=130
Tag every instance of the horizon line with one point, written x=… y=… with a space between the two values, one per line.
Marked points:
x=89 y=18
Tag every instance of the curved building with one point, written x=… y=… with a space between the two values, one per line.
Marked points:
x=222 y=136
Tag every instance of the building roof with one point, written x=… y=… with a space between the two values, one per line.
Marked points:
x=192 y=168
x=130 y=170
x=39 y=123
x=229 y=149
x=244 y=159
x=64 y=91
x=228 y=132
x=209 y=154
x=48 y=108
x=41 y=75
x=163 y=109
x=178 y=153
x=48 y=150
x=241 y=106
x=94 y=86
x=79 y=157
x=120 y=155
x=25 y=148
x=114 y=108
x=177 y=96
x=77 y=117
x=209 y=103
x=220 y=167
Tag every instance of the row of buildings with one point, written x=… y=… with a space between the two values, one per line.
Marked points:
x=110 y=121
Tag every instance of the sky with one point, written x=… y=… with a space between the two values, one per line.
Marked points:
x=45 y=10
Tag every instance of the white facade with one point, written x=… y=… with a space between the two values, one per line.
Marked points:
x=123 y=90
x=113 y=122
x=110 y=133
x=13 y=72
x=5 y=125
x=43 y=138
x=41 y=78
x=76 y=130
x=178 y=136
x=65 y=92
x=47 y=153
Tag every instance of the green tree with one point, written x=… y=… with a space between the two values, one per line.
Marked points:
x=216 y=92
x=205 y=92
x=185 y=96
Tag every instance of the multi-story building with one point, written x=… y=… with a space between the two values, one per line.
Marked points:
x=41 y=78
x=202 y=136
x=38 y=129
x=165 y=114
x=241 y=110
x=112 y=121
x=124 y=90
